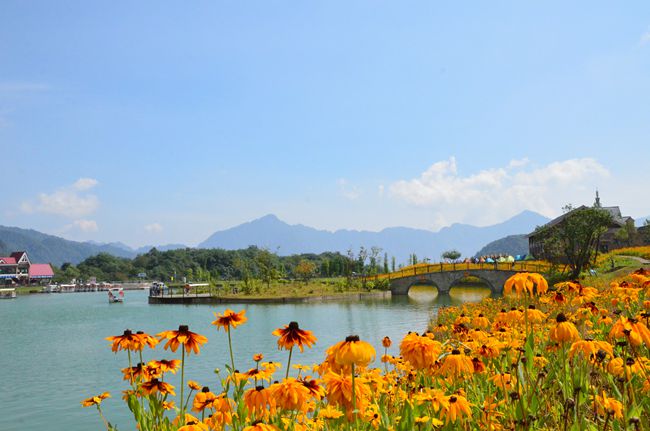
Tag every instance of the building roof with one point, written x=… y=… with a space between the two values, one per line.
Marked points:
x=615 y=212
x=7 y=260
x=40 y=270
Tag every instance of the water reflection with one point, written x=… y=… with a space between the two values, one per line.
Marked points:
x=457 y=295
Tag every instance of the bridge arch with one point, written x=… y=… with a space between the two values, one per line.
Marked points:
x=445 y=280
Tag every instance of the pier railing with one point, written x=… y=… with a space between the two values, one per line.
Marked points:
x=428 y=268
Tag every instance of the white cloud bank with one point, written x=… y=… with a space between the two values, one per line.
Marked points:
x=492 y=195
x=347 y=190
x=71 y=201
x=153 y=228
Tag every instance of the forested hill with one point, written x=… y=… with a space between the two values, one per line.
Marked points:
x=511 y=245
x=43 y=248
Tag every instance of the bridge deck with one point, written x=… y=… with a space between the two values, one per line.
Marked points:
x=428 y=268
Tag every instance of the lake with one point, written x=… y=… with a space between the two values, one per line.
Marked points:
x=53 y=352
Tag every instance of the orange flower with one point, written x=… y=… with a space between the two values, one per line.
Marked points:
x=457 y=408
x=292 y=335
x=155 y=385
x=193 y=424
x=258 y=400
x=386 y=342
x=184 y=336
x=96 y=400
x=339 y=392
x=564 y=331
x=166 y=366
x=259 y=426
x=456 y=365
x=354 y=351
x=290 y=394
x=525 y=283
x=203 y=400
x=127 y=341
x=420 y=352
x=229 y=319
x=145 y=340
x=258 y=357
x=608 y=406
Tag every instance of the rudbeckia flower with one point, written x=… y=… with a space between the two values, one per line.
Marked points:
x=457 y=408
x=607 y=406
x=259 y=426
x=291 y=335
x=290 y=394
x=329 y=412
x=456 y=365
x=192 y=341
x=386 y=342
x=203 y=400
x=420 y=352
x=258 y=400
x=354 y=351
x=155 y=385
x=96 y=400
x=525 y=283
x=193 y=424
x=564 y=331
x=229 y=319
x=339 y=392
x=127 y=341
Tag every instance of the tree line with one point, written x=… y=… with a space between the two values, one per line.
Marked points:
x=217 y=264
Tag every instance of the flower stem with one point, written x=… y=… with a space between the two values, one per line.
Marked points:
x=354 y=397
x=99 y=409
x=232 y=359
x=289 y=362
x=182 y=383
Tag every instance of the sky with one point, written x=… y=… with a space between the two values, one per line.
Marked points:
x=161 y=122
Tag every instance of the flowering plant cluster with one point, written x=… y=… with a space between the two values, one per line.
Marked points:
x=551 y=358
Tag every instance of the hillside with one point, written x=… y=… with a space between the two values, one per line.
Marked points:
x=511 y=245
x=52 y=249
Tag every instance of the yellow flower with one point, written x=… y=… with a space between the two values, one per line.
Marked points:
x=329 y=412
x=192 y=341
x=155 y=385
x=292 y=335
x=420 y=352
x=290 y=394
x=229 y=319
x=456 y=365
x=608 y=406
x=564 y=331
x=259 y=426
x=258 y=400
x=354 y=351
x=457 y=408
x=96 y=400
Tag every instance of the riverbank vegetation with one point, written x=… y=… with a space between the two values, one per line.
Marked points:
x=564 y=357
x=206 y=265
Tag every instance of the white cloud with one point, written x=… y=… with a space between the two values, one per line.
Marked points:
x=491 y=195
x=153 y=228
x=69 y=201
x=85 y=184
x=645 y=38
x=86 y=225
x=518 y=163
x=381 y=190
x=348 y=191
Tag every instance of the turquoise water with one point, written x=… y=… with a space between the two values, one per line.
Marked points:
x=53 y=353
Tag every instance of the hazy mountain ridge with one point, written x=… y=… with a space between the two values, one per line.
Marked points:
x=511 y=245
x=276 y=235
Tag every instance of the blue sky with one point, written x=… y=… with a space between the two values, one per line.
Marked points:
x=157 y=122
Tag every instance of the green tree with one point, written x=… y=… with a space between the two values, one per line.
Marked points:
x=575 y=239
x=451 y=255
x=266 y=263
x=305 y=270
x=392 y=263
x=385 y=263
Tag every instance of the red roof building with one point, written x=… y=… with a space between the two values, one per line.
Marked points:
x=17 y=268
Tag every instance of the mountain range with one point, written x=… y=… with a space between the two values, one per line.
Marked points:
x=285 y=239
x=276 y=235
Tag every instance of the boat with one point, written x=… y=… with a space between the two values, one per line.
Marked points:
x=8 y=293
x=115 y=294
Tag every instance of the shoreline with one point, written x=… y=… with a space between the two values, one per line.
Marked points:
x=192 y=300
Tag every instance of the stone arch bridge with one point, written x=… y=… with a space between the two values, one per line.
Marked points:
x=445 y=275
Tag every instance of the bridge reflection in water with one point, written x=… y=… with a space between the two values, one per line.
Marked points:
x=459 y=294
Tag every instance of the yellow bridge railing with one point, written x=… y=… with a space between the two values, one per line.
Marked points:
x=428 y=268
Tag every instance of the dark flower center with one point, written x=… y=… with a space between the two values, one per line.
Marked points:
x=183 y=328
x=455 y=352
x=259 y=388
x=127 y=332
x=293 y=325
x=140 y=332
x=561 y=318
x=205 y=389
x=351 y=338
x=531 y=307
x=453 y=399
